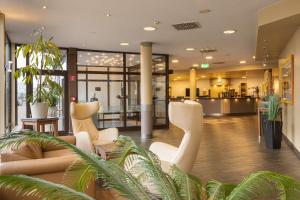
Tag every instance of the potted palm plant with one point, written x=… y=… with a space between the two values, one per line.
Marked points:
x=272 y=123
x=118 y=174
x=44 y=56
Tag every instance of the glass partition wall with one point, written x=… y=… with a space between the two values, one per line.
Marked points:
x=113 y=79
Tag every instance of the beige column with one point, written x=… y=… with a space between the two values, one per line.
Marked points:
x=2 y=74
x=146 y=90
x=193 y=84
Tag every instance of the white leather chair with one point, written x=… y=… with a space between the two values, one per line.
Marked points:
x=81 y=116
x=187 y=116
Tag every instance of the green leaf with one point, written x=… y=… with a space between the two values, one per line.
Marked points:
x=216 y=190
x=34 y=187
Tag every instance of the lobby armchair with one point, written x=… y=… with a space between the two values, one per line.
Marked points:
x=81 y=116
x=187 y=116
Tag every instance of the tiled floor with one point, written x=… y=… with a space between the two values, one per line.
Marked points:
x=229 y=149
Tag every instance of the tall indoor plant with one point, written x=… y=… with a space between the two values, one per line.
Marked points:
x=118 y=174
x=44 y=57
x=272 y=126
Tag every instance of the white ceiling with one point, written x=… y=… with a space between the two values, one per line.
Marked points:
x=84 y=24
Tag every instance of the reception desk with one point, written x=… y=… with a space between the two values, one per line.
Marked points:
x=223 y=106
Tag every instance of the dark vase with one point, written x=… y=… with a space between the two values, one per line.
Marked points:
x=272 y=131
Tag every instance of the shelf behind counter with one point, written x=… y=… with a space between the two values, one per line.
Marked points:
x=225 y=106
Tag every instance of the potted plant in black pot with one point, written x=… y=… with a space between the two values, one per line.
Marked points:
x=272 y=123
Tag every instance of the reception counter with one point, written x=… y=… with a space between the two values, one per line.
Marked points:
x=224 y=106
x=220 y=106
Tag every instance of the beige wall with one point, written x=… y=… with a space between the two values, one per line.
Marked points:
x=291 y=113
x=178 y=87
x=2 y=75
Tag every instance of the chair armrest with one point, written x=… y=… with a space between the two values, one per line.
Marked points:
x=52 y=147
x=164 y=151
x=37 y=166
x=107 y=136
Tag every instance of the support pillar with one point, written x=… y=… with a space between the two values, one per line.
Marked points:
x=193 y=84
x=146 y=90
x=2 y=74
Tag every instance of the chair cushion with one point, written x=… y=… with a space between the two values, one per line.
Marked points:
x=30 y=151
x=8 y=157
x=57 y=153
x=84 y=142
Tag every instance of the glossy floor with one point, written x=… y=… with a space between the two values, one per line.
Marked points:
x=229 y=149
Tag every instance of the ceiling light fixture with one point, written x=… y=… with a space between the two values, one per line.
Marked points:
x=203 y=76
x=195 y=65
x=205 y=11
x=190 y=49
x=208 y=57
x=254 y=57
x=229 y=32
x=44 y=7
x=108 y=15
x=124 y=43
x=244 y=77
x=150 y=28
x=175 y=61
x=243 y=62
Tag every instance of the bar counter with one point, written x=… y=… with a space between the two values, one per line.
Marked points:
x=226 y=106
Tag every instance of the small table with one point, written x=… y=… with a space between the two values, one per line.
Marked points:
x=105 y=150
x=39 y=124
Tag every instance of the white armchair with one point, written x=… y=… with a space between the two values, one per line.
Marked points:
x=189 y=117
x=81 y=116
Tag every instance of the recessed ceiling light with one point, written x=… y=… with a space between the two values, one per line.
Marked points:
x=208 y=57
x=44 y=7
x=203 y=76
x=243 y=62
x=88 y=53
x=124 y=43
x=264 y=64
x=244 y=77
x=253 y=57
x=204 y=11
x=108 y=15
x=175 y=61
x=149 y=28
x=195 y=65
x=229 y=32
x=190 y=49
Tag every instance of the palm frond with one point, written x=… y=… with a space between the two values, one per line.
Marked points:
x=79 y=175
x=266 y=184
x=29 y=186
x=148 y=165
x=188 y=186
x=216 y=190
x=110 y=172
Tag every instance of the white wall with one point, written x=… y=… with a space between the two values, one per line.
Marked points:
x=291 y=113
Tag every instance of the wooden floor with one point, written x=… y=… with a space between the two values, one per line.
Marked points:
x=229 y=149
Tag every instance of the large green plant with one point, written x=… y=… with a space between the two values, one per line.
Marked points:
x=44 y=56
x=135 y=167
x=274 y=109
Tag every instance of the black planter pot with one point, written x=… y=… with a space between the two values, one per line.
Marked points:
x=272 y=131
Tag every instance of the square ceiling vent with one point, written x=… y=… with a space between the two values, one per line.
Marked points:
x=187 y=26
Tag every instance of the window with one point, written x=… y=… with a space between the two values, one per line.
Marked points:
x=113 y=79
